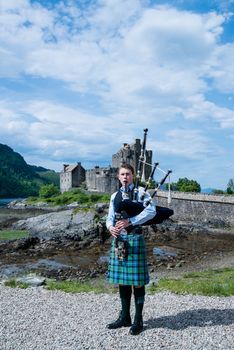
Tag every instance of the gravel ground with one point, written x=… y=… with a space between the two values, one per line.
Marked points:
x=39 y=319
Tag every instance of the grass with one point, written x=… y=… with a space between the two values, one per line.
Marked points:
x=212 y=282
x=80 y=287
x=78 y=195
x=209 y=283
x=69 y=286
x=13 y=234
x=14 y=284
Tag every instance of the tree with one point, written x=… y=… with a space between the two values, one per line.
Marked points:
x=186 y=185
x=230 y=186
x=172 y=186
x=217 y=191
x=47 y=191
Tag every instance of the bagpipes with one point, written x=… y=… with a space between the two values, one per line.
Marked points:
x=130 y=208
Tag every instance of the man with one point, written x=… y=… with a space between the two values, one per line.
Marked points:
x=128 y=267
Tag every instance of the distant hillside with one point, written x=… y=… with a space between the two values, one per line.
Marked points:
x=207 y=190
x=19 y=179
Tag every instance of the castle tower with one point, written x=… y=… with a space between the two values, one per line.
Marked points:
x=130 y=154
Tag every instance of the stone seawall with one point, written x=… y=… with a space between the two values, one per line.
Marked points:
x=204 y=208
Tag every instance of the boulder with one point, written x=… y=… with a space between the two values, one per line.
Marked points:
x=17 y=204
x=63 y=223
x=31 y=280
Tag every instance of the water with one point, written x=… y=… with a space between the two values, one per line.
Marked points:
x=9 y=216
x=5 y=201
x=163 y=254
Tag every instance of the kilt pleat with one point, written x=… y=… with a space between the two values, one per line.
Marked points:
x=133 y=270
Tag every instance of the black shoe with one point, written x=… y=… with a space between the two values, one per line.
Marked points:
x=120 y=322
x=136 y=328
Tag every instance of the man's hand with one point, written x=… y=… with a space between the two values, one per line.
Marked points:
x=114 y=231
x=121 y=224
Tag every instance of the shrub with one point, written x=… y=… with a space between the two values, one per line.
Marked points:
x=48 y=191
x=186 y=185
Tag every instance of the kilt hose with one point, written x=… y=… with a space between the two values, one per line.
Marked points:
x=134 y=269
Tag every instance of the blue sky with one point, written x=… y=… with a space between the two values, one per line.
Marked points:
x=80 y=78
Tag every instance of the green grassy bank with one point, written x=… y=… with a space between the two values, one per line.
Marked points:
x=13 y=234
x=209 y=283
x=218 y=282
x=77 y=195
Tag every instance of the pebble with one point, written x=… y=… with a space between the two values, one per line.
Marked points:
x=38 y=319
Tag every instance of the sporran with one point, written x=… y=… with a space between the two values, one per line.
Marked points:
x=121 y=249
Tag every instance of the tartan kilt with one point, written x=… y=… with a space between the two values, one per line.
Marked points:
x=133 y=270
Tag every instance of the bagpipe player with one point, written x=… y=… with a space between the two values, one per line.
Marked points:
x=128 y=262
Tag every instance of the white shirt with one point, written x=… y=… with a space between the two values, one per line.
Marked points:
x=148 y=213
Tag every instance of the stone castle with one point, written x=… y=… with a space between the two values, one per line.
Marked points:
x=104 y=179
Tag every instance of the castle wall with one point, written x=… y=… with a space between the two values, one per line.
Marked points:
x=198 y=207
x=65 y=181
x=78 y=175
x=102 y=180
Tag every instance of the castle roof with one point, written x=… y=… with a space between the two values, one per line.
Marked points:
x=71 y=167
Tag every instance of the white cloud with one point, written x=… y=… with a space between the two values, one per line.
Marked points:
x=162 y=46
x=188 y=143
x=222 y=70
x=199 y=108
x=58 y=130
x=144 y=64
x=170 y=37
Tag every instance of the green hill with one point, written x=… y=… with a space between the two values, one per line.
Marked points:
x=19 y=179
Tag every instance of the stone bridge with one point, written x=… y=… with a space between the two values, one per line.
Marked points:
x=198 y=207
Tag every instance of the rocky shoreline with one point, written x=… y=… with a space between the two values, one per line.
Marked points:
x=74 y=243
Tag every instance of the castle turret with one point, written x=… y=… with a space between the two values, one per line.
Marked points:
x=130 y=154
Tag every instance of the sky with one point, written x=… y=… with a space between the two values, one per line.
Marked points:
x=80 y=78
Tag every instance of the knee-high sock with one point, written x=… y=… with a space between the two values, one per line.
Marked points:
x=125 y=293
x=139 y=294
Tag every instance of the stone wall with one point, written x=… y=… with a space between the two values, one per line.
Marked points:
x=78 y=175
x=65 y=181
x=198 y=207
x=102 y=179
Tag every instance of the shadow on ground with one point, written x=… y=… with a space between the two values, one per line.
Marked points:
x=193 y=318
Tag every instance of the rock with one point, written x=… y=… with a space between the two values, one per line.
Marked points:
x=100 y=207
x=170 y=266
x=103 y=259
x=60 y=224
x=26 y=243
x=162 y=254
x=31 y=280
x=12 y=204
x=152 y=283
x=180 y=263
x=41 y=205
x=17 y=205
x=73 y=205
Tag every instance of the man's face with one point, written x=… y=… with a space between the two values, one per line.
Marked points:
x=125 y=177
